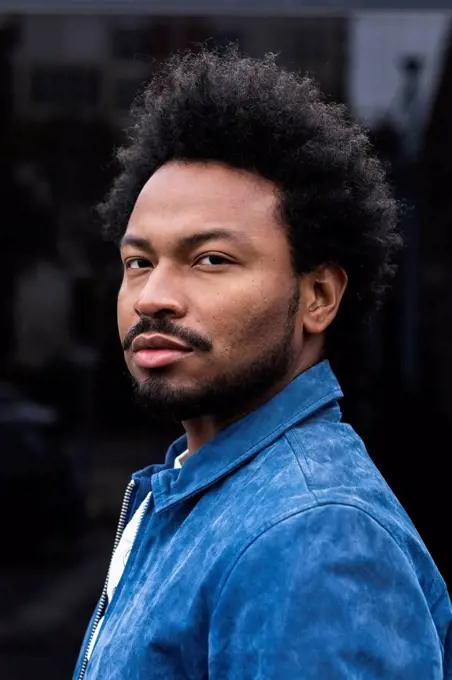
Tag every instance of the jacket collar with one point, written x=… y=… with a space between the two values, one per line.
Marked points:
x=238 y=442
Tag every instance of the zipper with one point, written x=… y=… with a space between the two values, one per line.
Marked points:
x=103 y=598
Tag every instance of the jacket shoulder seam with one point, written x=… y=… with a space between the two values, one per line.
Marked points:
x=300 y=511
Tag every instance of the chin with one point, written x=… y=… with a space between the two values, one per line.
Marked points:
x=181 y=402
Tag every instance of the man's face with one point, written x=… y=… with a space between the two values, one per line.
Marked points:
x=207 y=264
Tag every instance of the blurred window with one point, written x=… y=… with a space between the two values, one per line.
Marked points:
x=150 y=40
x=65 y=85
x=127 y=42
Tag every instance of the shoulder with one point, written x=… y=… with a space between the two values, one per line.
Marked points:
x=320 y=462
x=318 y=489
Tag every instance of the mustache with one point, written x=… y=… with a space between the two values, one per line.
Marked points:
x=165 y=327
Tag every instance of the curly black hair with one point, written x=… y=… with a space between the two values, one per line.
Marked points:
x=249 y=113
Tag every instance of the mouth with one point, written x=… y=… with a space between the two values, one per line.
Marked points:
x=155 y=351
x=156 y=358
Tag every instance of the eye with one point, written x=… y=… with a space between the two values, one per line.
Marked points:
x=215 y=260
x=136 y=263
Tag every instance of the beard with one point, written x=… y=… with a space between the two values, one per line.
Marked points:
x=231 y=392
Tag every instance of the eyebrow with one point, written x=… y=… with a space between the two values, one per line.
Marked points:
x=188 y=242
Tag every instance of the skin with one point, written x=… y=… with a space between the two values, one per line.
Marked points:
x=234 y=295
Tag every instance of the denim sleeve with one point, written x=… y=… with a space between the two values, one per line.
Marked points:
x=325 y=593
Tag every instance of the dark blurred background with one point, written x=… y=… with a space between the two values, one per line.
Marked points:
x=70 y=435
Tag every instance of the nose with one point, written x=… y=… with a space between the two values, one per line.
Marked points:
x=161 y=296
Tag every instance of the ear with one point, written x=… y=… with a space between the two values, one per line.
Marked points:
x=321 y=292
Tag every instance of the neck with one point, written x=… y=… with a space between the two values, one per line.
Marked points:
x=203 y=429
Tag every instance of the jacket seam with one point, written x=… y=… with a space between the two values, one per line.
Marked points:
x=281 y=518
x=289 y=435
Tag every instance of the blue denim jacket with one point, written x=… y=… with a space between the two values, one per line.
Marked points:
x=277 y=552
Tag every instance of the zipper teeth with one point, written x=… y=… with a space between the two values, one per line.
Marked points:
x=103 y=597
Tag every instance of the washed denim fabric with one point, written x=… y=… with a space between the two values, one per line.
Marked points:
x=276 y=552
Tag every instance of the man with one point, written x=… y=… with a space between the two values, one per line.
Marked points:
x=257 y=234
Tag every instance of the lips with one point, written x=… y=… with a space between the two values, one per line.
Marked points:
x=155 y=351
x=158 y=342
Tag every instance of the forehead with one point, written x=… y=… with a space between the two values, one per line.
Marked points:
x=181 y=196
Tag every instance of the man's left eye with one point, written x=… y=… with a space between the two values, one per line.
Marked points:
x=136 y=263
x=214 y=260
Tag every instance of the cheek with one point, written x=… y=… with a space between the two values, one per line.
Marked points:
x=241 y=323
x=126 y=315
